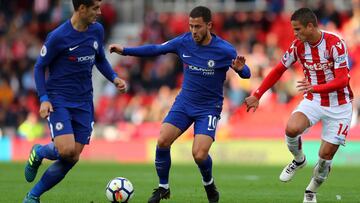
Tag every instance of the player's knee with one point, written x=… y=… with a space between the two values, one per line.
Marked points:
x=163 y=142
x=292 y=130
x=68 y=153
x=199 y=156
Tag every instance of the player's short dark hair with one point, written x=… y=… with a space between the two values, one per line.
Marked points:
x=201 y=11
x=87 y=3
x=305 y=16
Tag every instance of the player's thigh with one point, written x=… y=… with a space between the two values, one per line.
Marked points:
x=174 y=124
x=327 y=150
x=336 y=123
x=83 y=122
x=306 y=114
x=168 y=134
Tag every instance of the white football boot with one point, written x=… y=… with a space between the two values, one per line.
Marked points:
x=309 y=197
x=289 y=171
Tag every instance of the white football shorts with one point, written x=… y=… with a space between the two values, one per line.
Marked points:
x=336 y=120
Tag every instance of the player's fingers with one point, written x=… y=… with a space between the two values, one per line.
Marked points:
x=248 y=108
x=111 y=48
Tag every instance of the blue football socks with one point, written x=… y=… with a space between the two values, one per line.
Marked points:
x=206 y=169
x=163 y=163
x=52 y=176
x=48 y=151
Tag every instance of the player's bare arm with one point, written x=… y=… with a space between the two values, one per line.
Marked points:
x=238 y=63
x=120 y=84
x=117 y=48
x=251 y=103
x=45 y=109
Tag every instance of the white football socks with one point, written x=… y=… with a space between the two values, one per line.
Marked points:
x=294 y=146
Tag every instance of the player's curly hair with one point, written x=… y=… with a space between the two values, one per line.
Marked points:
x=305 y=16
x=201 y=11
x=87 y=3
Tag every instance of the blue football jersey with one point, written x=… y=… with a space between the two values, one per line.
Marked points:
x=70 y=56
x=204 y=67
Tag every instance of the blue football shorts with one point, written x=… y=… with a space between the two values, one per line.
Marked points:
x=72 y=118
x=182 y=116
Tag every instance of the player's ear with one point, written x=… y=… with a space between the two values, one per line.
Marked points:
x=209 y=25
x=82 y=8
x=310 y=26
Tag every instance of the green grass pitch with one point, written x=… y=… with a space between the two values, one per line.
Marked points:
x=237 y=183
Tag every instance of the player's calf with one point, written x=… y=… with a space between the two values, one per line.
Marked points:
x=290 y=170
x=33 y=163
x=159 y=194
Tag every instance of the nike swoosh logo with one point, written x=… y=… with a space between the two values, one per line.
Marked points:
x=73 y=48
x=185 y=56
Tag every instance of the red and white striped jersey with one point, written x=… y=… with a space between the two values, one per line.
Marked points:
x=319 y=62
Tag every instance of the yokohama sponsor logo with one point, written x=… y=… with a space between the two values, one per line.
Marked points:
x=318 y=66
x=86 y=58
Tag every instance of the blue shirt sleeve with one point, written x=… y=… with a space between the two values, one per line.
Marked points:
x=153 y=50
x=102 y=64
x=245 y=72
x=48 y=52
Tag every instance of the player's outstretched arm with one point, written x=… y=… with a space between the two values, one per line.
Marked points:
x=269 y=81
x=239 y=66
x=145 y=50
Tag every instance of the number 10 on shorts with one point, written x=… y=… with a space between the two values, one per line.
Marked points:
x=212 y=122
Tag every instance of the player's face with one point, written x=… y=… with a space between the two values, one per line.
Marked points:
x=199 y=29
x=90 y=14
x=300 y=31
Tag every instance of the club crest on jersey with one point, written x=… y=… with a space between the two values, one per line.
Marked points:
x=59 y=126
x=96 y=45
x=211 y=63
x=43 y=51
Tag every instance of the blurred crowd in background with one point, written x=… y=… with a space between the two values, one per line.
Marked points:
x=261 y=36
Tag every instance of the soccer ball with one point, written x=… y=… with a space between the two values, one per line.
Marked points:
x=119 y=189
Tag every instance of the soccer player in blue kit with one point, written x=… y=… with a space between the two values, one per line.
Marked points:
x=70 y=52
x=206 y=58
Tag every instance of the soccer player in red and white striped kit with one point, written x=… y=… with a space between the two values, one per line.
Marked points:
x=327 y=95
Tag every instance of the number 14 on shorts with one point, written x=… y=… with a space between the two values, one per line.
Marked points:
x=342 y=133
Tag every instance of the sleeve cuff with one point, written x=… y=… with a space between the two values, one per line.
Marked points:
x=44 y=98
x=115 y=75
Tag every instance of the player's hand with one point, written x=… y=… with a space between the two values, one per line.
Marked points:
x=304 y=86
x=120 y=85
x=45 y=109
x=238 y=63
x=117 y=48
x=251 y=103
